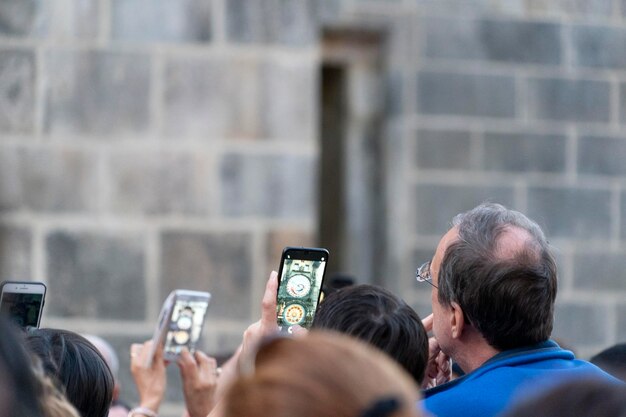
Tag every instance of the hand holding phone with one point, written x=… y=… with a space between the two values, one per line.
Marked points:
x=23 y=302
x=180 y=323
x=301 y=275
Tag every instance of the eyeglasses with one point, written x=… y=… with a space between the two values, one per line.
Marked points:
x=423 y=274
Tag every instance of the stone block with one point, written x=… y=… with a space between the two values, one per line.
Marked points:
x=286 y=22
x=15 y=254
x=17 y=91
x=444 y=149
x=524 y=152
x=571 y=212
x=97 y=92
x=96 y=276
x=466 y=94
x=569 y=100
x=68 y=19
x=493 y=40
x=602 y=156
x=161 y=20
x=211 y=97
x=289 y=100
x=622 y=103
x=271 y=186
x=160 y=183
x=580 y=325
x=18 y=17
x=58 y=179
x=623 y=215
x=621 y=322
x=599 y=271
x=599 y=46
x=436 y=205
x=10 y=178
x=220 y=263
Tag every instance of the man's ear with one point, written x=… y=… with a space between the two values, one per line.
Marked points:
x=457 y=320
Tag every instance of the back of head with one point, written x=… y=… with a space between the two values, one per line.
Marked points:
x=20 y=391
x=77 y=366
x=612 y=360
x=322 y=375
x=502 y=273
x=379 y=318
x=582 y=398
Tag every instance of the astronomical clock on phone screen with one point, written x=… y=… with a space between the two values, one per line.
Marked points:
x=300 y=292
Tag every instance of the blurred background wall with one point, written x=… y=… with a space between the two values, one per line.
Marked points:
x=147 y=145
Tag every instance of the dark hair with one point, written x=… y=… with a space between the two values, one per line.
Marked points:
x=381 y=319
x=580 y=398
x=20 y=389
x=77 y=366
x=506 y=293
x=612 y=360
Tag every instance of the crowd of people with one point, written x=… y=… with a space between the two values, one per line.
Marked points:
x=493 y=279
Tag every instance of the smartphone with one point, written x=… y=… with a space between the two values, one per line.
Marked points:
x=23 y=302
x=301 y=277
x=180 y=323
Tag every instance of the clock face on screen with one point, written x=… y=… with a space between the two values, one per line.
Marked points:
x=298 y=286
x=294 y=314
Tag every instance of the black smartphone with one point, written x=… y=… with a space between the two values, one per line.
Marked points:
x=180 y=323
x=23 y=302
x=301 y=276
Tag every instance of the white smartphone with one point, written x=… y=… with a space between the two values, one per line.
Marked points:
x=180 y=323
x=23 y=302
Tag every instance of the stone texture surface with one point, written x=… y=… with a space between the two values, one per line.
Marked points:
x=599 y=46
x=15 y=254
x=602 y=156
x=268 y=186
x=160 y=183
x=211 y=97
x=287 y=22
x=621 y=321
x=570 y=318
x=436 y=205
x=17 y=17
x=97 y=92
x=443 y=149
x=68 y=19
x=493 y=40
x=568 y=100
x=47 y=180
x=571 y=212
x=97 y=276
x=517 y=152
x=599 y=271
x=466 y=94
x=220 y=263
x=161 y=20
x=17 y=90
x=572 y=7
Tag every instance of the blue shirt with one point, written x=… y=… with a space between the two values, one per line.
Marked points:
x=491 y=388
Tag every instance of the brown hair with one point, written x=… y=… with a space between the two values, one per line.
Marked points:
x=323 y=374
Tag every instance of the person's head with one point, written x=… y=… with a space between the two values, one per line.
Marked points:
x=322 y=375
x=110 y=357
x=580 y=398
x=379 y=318
x=52 y=400
x=20 y=391
x=77 y=367
x=494 y=273
x=612 y=360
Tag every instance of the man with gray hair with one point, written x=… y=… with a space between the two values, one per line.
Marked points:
x=494 y=282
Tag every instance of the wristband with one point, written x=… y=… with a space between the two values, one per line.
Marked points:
x=143 y=411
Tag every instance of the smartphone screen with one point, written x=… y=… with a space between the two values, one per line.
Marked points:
x=22 y=302
x=301 y=276
x=185 y=325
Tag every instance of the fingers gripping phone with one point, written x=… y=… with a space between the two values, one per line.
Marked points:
x=301 y=276
x=23 y=302
x=180 y=323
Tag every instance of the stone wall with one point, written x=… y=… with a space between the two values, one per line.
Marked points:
x=152 y=144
